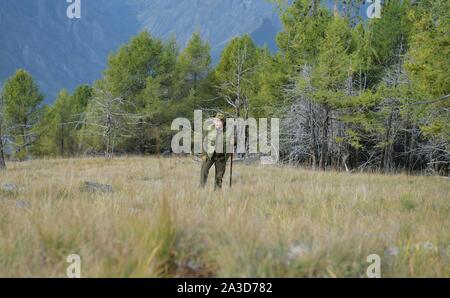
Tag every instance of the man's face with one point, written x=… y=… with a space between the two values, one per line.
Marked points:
x=218 y=123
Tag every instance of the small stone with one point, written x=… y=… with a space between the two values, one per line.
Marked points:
x=10 y=188
x=21 y=204
x=194 y=265
x=167 y=154
x=297 y=251
x=249 y=160
x=133 y=211
x=94 y=187
x=426 y=245
x=392 y=251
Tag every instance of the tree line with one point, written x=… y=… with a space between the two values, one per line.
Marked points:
x=351 y=94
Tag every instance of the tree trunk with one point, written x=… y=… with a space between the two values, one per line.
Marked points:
x=315 y=4
x=195 y=81
x=25 y=140
x=313 y=149
x=2 y=156
x=386 y=161
x=336 y=8
x=62 y=141
x=324 y=154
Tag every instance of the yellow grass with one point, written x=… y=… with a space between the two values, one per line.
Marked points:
x=275 y=222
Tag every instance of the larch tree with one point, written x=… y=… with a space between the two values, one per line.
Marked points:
x=23 y=109
x=427 y=65
x=195 y=61
x=236 y=74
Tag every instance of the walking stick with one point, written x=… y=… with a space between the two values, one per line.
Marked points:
x=231 y=171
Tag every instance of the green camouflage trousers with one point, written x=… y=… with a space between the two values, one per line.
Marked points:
x=220 y=161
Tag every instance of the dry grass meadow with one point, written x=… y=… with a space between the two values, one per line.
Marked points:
x=275 y=222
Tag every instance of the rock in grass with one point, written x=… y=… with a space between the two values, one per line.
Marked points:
x=21 y=204
x=426 y=245
x=94 y=187
x=392 y=251
x=167 y=154
x=447 y=251
x=194 y=265
x=9 y=188
x=297 y=251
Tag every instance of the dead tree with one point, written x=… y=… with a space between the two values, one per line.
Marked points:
x=301 y=127
x=110 y=119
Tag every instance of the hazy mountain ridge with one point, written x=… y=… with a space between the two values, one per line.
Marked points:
x=63 y=53
x=217 y=20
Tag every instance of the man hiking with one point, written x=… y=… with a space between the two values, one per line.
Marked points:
x=215 y=151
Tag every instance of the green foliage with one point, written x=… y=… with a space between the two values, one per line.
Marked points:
x=358 y=94
x=428 y=64
x=22 y=110
x=304 y=24
x=61 y=123
x=195 y=61
x=240 y=54
x=334 y=64
x=271 y=78
x=390 y=33
x=60 y=126
x=129 y=68
x=81 y=98
x=236 y=73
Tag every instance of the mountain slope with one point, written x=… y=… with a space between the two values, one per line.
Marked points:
x=217 y=20
x=63 y=53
